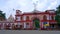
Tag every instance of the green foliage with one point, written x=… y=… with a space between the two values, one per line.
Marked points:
x=57 y=18
x=37 y=23
x=2 y=15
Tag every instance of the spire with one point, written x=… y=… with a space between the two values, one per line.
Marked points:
x=11 y=18
x=35 y=5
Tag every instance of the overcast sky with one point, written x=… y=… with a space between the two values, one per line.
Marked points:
x=7 y=6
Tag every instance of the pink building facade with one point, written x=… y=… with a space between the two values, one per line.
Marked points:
x=36 y=19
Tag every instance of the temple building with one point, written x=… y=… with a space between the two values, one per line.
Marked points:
x=36 y=19
x=7 y=24
x=11 y=18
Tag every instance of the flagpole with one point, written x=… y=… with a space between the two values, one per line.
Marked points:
x=35 y=5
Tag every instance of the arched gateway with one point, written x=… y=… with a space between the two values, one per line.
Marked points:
x=36 y=23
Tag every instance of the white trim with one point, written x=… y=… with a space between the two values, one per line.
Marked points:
x=47 y=17
x=24 y=17
x=50 y=18
x=24 y=25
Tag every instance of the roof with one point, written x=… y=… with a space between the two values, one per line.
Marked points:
x=39 y=12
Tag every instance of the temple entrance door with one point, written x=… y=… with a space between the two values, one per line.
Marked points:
x=36 y=23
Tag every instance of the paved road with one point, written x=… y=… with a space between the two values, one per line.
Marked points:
x=28 y=32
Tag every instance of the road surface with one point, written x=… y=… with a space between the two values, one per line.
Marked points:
x=28 y=32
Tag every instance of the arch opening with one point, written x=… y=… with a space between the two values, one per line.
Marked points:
x=36 y=23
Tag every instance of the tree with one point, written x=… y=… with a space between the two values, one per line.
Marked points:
x=36 y=21
x=2 y=15
x=57 y=18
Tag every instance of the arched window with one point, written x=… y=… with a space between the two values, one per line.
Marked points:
x=27 y=18
x=18 y=18
x=21 y=18
x=27 y=25
x=52 y=17
x=24 y=17
x=44 y=17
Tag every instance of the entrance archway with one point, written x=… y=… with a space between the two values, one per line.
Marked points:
x=36 y=23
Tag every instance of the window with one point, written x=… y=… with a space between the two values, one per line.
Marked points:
x=47 y=17
x=52 y=17
x=27 y=18
x=24 y=17
x=21 y=26
x=18 y=25
x=18 y=18
x=27 y=25
x=44 y=17
x=21 y=18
